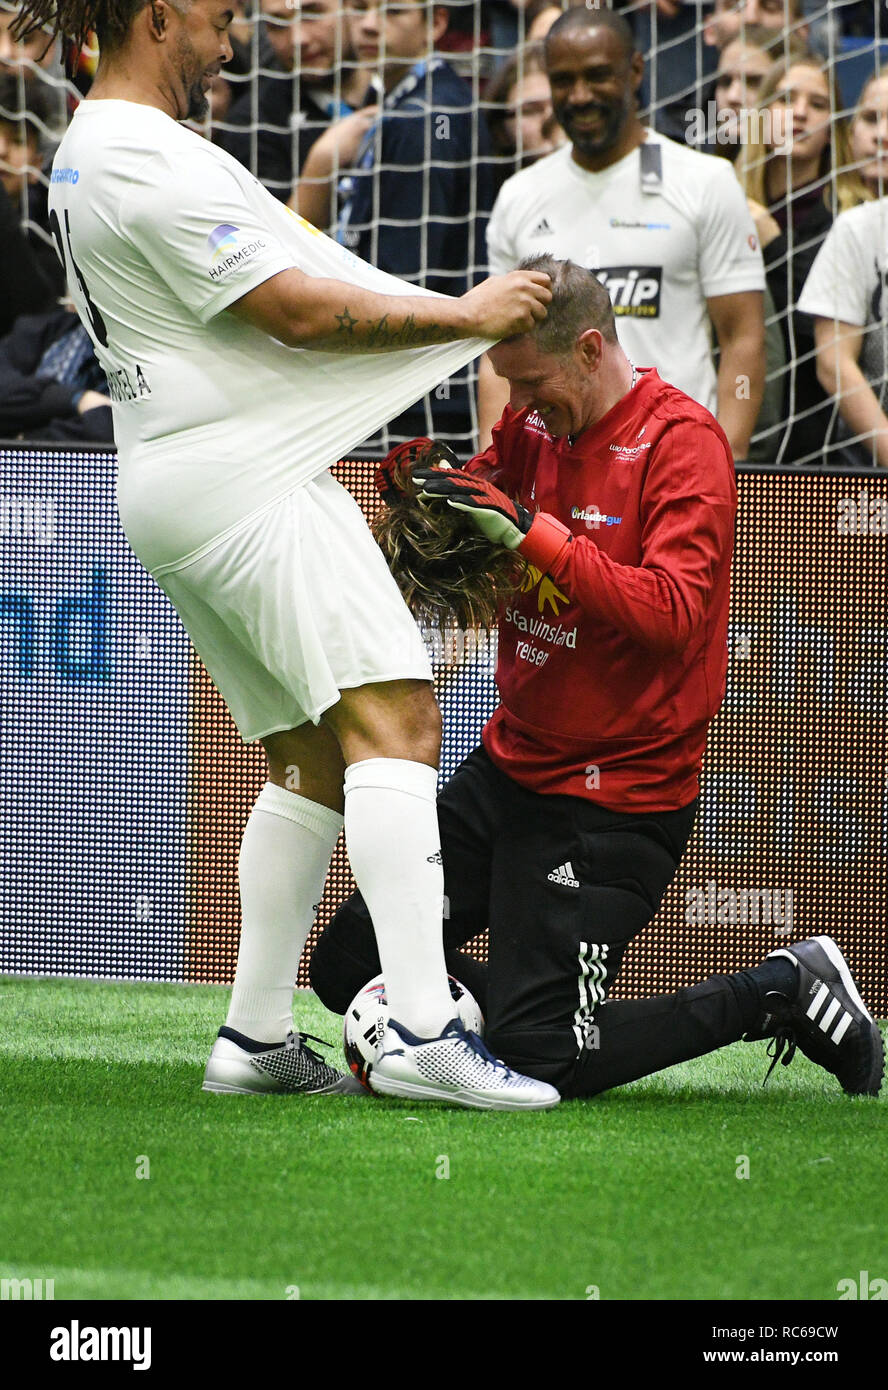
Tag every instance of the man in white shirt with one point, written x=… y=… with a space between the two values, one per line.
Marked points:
x=665 y=228
x=244 y=354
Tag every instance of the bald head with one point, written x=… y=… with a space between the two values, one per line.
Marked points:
x=580 y=20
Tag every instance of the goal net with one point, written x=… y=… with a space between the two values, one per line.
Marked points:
x=393 y=128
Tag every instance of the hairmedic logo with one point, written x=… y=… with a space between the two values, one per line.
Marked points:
x=228 y=250
x=222 y=240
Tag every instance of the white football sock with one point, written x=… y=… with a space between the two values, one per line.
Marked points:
x=391 y=830
x=284 y=857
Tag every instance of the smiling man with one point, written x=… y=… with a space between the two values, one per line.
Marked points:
x=245 y=354
x=562 y=831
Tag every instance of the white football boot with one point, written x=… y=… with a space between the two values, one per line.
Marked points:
x=240 y=1066
x=456 y=1067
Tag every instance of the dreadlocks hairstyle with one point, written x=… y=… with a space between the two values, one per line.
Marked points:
x=74 y=20
x=446 y=570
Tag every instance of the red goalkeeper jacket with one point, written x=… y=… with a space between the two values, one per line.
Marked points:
x=612 y=661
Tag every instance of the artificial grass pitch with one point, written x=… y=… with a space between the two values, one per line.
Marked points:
x=638 y=1194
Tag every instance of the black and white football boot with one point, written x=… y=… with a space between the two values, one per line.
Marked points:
x=240 y=1066
x=826 y=1019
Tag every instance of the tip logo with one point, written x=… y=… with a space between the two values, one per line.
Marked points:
x=222 y=240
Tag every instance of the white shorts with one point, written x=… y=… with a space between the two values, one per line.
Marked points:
x=292 y=608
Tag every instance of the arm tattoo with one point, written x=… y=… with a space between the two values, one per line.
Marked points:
x=346 y=322
x=380 y=333
x=409 y=334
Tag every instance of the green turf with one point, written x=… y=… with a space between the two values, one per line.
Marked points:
x=635 y=1192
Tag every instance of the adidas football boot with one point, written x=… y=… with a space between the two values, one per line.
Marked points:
x=457 y=1067
x=241 y=1066
x=826 y=1018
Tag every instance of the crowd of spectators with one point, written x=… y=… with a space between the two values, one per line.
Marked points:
x=425 y=138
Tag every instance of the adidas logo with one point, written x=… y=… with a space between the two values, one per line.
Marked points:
x=564 y=875
x=829 y=1016
x=542 y=228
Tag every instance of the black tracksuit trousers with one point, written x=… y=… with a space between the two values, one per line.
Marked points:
x=562 y=886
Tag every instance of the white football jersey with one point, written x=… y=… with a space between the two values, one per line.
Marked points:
x=160 y=231
x=664 y=229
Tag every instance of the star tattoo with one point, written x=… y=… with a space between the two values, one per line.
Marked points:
x=346 y=322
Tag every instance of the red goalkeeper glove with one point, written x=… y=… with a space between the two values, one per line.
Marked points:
x=403 y=459
x=493 y=513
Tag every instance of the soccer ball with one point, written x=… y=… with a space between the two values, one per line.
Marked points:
x=366 y=1020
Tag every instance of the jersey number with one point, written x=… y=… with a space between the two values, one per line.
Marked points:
x=100 y=333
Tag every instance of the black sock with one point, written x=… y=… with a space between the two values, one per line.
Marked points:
x=780 y=975
x=751 y=986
